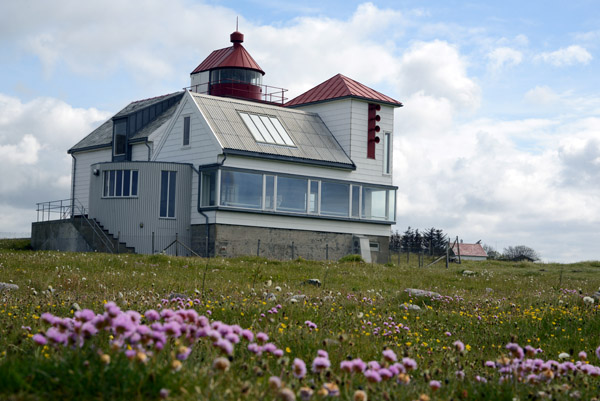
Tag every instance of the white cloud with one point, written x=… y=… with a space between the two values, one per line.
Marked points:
x=437 y=69
x=504 y=57
x=25 y=152
x=571 y=55
x=542 y=95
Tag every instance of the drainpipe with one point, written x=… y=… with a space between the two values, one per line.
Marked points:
x=149 y=150
x=200 y=209
x=73 y=185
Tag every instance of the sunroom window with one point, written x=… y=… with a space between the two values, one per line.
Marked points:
x=120 y=183
x=241 y=189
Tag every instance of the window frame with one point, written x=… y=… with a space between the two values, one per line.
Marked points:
x=109 y=187
x=170 y=201
x=187 y=123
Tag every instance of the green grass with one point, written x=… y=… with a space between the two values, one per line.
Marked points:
x=503 y=302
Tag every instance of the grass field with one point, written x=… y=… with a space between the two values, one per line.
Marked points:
x=458 y=340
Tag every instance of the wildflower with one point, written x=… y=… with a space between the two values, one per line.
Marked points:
x=372 y=376
x=424 y=397
x=409 y=363
x=582 y=355
x=403 y=378
x=262 y=337
x=274 y=383
x=448 y=334
x=385 y=373
x=389 y=355
x=358 y=365
x=286 y=394
x=459 y=346
x=221 y=364
x=435 y=385
x=152 y=315
x=332 y=389
x=320 y=364
x=163 y=393
x=530 y=351
x=480 y=379
x=176 y=365
x=224 y=346
x=322 y=354
x=247 y=335
x=346 y=366
x=40 y=339
x=183 y=352
x=299 y=368
x=305 y=393
x=598 y=352
x=359 y=395
x=563 y=355
x=490 y=364
x=460 y=375
x=105 y=359
x=515 y=350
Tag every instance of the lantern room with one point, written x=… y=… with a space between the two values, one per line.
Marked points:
x=230 y=72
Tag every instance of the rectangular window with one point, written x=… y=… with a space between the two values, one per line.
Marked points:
x=120 y=183
x=335 y=199
x=292 y=194
x=355 y=201
x=387 y=153
x=208 y=188
x=267 y=129
x=119 y=137
x=313 y=199
x=186 y=131
x=269 y=192
x=374 y=203
x=241 y=189
x=168 y=183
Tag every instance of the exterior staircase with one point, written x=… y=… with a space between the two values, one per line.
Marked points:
x=99 y=238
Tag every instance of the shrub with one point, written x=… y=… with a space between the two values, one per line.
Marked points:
x=352 y=258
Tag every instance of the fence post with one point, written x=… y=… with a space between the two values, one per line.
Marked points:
x=176 y=244
x=118 y=240
x=292 y=250
x=258 y=249
x=326 y=251
x=152 y=242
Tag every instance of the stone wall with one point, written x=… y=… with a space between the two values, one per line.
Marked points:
x=58 y=235
x=281 y=244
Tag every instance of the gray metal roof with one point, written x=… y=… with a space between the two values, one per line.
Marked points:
x=102 y=136
x=314 y=142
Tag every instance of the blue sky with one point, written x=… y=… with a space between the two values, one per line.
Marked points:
x=499 y=139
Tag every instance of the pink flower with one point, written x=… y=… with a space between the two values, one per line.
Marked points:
x=320 y=364
x=435 y=385
x=322 y=353
x=409 y=363
x=389 y=355
x=247 y=334
x=582 y=355
x=299 y=368
x=372 y=376
x=152 y=315
x=40 y=339
x=358 y=365
x=459 y=346
x=262 y=337
x=224 y=346
x=346 y=366
x=448 y=334
x=598 y=352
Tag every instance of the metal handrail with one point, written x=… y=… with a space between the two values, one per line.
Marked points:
x=109 y=245
x=269 y=94
x=66 y=208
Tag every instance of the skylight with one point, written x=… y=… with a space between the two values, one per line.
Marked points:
x=267 y=129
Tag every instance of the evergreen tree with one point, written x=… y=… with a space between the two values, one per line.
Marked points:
x=407 y=239
x=417 y=242
x=395 y=241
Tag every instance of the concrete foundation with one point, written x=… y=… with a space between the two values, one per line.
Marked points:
x=58 y=235
x=283 y=244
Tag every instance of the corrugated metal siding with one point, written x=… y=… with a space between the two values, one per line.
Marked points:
x=125 y=216
x=83 y=172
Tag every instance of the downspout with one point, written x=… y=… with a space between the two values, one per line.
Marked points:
x=149 y=150
x=73 y=185
x=200 y=209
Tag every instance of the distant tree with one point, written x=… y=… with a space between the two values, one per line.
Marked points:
x=491 y=252
x=417 y=242
x=407 y=239
x=439 y=242
x=395 y=241
x=519 y=251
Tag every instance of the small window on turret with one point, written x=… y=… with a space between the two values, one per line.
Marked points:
x=267 y=129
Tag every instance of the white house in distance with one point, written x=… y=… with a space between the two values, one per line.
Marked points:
x=468 y=251
x=227 y=167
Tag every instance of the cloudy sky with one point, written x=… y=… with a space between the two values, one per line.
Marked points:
x=499 y=139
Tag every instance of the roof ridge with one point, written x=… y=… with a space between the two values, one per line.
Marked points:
x=155 y=97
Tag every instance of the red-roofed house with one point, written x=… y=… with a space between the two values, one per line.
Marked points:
x=226 y=167
x=468 y=251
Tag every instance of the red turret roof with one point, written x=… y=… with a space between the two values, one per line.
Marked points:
x=338 y=87
x=230 y=57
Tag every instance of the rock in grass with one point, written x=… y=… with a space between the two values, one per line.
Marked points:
x=414 y=292
x=174 y=295
x=75 y=307
x=596 y=295
x=468 y=273
x=8 y=286
x=313 y=281
x=270 y=297
x=410 y=307
x=296 y=298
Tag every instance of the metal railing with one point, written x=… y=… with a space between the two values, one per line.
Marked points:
x=65 y=209
x=268 y=94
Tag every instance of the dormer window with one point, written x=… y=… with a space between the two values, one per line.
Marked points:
x=120 y=137
x=267 y=129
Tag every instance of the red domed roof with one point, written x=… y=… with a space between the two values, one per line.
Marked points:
x=235 y=56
